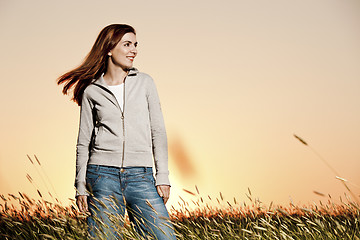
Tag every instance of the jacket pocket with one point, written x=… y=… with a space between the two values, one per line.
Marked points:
x=98 y=132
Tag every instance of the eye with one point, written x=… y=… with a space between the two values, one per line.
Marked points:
x=136 y=44
x=127 y=44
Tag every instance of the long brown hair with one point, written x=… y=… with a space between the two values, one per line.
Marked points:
x=95 y=62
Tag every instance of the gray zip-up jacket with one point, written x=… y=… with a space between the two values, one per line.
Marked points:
x=112 y=137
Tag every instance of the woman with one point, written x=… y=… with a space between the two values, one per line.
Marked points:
x=121 y=133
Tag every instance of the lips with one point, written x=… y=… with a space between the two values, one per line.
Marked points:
x=131 y=58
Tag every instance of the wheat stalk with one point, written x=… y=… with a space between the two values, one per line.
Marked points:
x=329 y=166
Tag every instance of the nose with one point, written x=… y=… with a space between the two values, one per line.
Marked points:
x=134 y=50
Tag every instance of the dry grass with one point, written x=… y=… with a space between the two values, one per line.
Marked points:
x=39 y=219
x=255 y=221
x=24 y=218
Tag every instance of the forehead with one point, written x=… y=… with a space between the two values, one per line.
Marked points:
x=131 y=37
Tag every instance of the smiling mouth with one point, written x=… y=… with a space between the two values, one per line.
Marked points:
x=131 y=58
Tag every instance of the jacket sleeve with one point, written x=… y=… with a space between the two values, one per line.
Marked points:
x=158 y=135
x=86 y=126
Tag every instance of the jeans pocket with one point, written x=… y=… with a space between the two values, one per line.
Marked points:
x=91 y=180
x=140 y=177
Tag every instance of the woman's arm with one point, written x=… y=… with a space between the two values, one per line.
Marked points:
x=158 y=135
x=86 y=126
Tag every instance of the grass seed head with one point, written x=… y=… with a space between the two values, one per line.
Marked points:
x=300 y=139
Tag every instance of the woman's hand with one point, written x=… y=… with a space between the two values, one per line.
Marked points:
x=81 y=202
x=164 y=192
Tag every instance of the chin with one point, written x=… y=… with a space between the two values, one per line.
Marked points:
x=127 y=68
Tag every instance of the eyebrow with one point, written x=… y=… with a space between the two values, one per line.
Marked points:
x=129 y=42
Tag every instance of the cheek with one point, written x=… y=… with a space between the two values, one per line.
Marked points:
x=123 y=51
x=119 y=56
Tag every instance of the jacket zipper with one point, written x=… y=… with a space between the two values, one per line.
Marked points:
x=123 y=123
x=123 y=126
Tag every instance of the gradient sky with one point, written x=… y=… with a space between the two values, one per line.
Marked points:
x=236 y=80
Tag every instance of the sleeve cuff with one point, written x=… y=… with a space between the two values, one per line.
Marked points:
x=81 y=189
x=162 y=179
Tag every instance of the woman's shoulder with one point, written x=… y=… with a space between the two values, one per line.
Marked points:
x=144 y=78
x=89 y=89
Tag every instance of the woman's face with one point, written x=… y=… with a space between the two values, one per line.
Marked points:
x=124 y=53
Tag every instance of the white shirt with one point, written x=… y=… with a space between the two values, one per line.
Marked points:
x=118 y=91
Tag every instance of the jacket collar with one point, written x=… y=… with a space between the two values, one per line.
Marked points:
x=133 y=71
x=102 y=84
x=101 y=81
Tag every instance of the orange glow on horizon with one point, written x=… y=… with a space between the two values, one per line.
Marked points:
x=235 y=80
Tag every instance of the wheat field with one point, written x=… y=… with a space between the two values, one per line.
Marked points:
x=24 y=218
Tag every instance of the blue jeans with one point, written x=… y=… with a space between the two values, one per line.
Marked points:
x=112 y=191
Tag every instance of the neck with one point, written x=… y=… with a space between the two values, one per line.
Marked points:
x=115 y=75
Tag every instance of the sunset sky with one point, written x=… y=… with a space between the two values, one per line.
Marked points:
x=236 y=80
